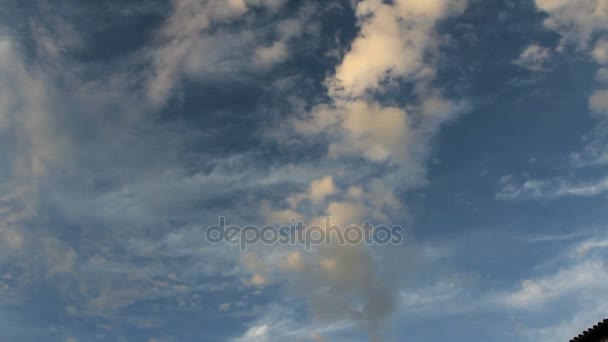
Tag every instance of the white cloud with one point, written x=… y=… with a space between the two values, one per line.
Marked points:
x=577 y=286
x=595 y=153
x=586 y=247
x=391 y=43
x=534 y=57
x=588 y=277
x=576 y=21
x=318 y=190
x=368 y=129
x=256 y=333
x=549 y=189
x=279 y=322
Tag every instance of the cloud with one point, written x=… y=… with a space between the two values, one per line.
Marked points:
x=28 y=116
x=572 y=326
x=598 y=102
x=182 y=31
x=576 y=22
x=279 y=322
x=574 y=288
x=61 y=133
x=272 y=54
x=348 y=283
x=534 y=57
x=586 y=247
x=600 y=52
x=54 y=38
x=549 y=189
x=136 y=185
x=595 y=153
x=287 y=31
x=223 y=39
x=391 y=43
x=587 y=277
x=256 y=333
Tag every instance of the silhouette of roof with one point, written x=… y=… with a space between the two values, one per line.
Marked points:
x=599 y=333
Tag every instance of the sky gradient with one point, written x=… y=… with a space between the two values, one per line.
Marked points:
x=128 y=127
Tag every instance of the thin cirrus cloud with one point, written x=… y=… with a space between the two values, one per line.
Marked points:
x=549 y=188
x=118 y=149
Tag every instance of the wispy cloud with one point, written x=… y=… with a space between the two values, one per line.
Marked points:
x=576 y=285
x=117 y=151
x=589 y=276
x=534 y=57
x=549 y=189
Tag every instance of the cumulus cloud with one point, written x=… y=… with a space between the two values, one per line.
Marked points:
x=391 y=46
x=391 y=43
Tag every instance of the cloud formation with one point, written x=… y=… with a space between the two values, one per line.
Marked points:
x=584 y=25
x=389 y=48
x=549 y=189
x=126 y=129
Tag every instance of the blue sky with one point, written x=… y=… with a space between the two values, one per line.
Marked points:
x=127 y=127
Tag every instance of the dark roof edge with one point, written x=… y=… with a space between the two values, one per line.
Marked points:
x=599 y=331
